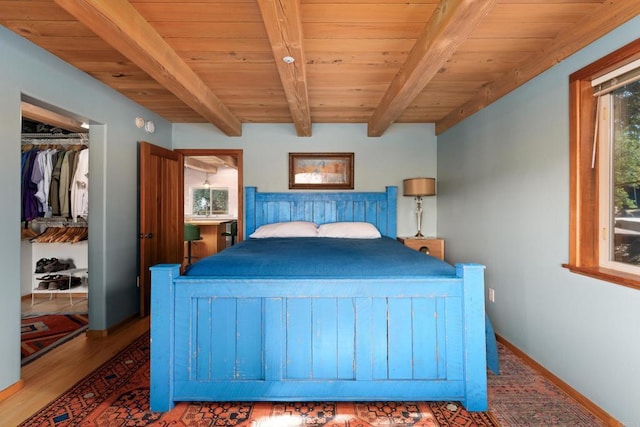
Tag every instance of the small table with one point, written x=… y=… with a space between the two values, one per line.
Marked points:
x=433 y=245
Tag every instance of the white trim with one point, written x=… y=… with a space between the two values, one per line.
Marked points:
x=606 y=230
x=616 y=73
x=604 y=179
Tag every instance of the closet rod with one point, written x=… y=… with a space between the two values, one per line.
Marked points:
x=55 y=142
x=44 y=139
x=59 y=222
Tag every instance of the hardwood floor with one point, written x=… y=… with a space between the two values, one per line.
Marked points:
x=59 y=304
x=50 y=375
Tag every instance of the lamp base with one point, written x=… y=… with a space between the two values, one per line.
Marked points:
x=419 y=236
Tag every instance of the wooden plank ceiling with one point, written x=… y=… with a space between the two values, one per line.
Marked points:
x=355 y=61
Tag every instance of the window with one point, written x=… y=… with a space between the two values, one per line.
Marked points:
x=210 y=201
x=605 y=168
x=619 y=177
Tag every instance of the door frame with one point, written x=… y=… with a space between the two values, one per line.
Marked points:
x=238 y=154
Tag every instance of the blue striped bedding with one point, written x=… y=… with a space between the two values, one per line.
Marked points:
x=320 y=257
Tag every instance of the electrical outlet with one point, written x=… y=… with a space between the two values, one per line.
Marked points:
x=492 y=295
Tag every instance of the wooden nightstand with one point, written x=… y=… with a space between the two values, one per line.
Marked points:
x=435 y=246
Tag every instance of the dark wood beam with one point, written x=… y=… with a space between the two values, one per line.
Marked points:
x=610 y=15
x=118 y=23
x=449 y=26
x=284 y=28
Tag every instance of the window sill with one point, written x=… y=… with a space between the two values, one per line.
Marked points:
x=614 y=276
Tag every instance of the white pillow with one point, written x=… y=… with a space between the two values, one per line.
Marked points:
x=349 y=230
x=286 y=229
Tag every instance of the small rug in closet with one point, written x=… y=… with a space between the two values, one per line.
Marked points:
x=117 y=394
x=42 y=332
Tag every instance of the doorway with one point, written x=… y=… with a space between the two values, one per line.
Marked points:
x=213 y=201
x=162 y=201
x=54 y=229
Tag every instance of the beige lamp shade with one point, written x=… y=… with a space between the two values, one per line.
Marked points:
x=419 y=187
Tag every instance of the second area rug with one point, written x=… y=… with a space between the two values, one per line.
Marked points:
x=42 y=332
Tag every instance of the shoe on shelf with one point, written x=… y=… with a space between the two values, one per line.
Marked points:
x=63 y=285
x=40 y=265
x=58 y=284
x=55 y=265
x=44 y=281
x=53 y=282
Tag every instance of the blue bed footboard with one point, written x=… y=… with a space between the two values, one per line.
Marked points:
x=221 y=339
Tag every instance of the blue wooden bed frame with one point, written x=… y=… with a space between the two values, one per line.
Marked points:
x=282 y=339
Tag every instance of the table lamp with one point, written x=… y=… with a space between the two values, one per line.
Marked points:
x=419 y=187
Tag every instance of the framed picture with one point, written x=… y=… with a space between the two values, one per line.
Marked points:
x=321 y=171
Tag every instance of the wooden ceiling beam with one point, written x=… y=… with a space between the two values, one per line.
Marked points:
x=284 y=29
x=607 y=17
x=196 y=164
x=119 y=24
x=449 y=26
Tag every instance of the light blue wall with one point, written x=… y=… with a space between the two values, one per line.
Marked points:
x=504 y=202
x=28 y=70
x=404 y=151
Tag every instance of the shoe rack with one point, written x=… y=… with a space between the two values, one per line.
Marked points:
x=62 y=251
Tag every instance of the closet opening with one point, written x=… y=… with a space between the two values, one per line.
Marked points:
x=54 y=229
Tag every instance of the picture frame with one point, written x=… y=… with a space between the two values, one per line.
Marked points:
x=321 y=171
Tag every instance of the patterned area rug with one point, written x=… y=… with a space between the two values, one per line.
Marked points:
x=41 y=333
x=520 y=397
x=117 y=394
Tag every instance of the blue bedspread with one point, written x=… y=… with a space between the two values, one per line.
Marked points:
x=327 y=257
x=320 y=257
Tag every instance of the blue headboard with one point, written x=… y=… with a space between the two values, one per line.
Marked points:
x=378 y=209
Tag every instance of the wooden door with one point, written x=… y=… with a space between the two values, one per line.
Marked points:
x=161 y=214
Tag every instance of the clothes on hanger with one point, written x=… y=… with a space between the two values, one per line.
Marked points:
x=62 y=235
x=55 y=182
x=80 y=187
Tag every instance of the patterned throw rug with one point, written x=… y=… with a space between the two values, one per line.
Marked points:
x=521 y=397
x=117 y=394
x=41 y=333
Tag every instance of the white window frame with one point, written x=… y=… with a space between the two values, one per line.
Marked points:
x=605 y=187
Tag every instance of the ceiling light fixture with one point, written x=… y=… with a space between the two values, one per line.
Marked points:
x=288 y=59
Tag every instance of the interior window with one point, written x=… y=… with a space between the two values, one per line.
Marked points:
x=604 y=240
x=210 y=201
